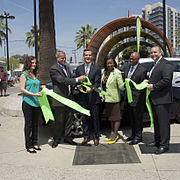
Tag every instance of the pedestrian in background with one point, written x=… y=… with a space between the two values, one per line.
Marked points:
x=112 y=83
x=30 y=87
x=3 y=81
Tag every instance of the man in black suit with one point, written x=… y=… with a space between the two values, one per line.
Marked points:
x=137 y=73
x=62 y=80
x=91 y=99
x=160 y=85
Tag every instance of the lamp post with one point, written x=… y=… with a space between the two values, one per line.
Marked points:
x=164 y=27
x=6 y=16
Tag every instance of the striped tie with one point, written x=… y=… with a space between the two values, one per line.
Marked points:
x=86 y=69
x=69 y=86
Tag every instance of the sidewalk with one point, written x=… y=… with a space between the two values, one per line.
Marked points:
x=16 y=163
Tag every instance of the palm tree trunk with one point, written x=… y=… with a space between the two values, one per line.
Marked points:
x=47 y=48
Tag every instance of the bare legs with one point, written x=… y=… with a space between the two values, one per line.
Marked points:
x=114 y=129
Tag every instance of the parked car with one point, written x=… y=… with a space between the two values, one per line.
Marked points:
x=175 y=106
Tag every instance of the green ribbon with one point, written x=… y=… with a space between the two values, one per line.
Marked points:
x=46 y=107
x=138 y=32
x=141 y=86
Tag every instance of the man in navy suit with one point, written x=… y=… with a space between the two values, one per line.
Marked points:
x=137 y=73
x=160 y=85
x=62 y=84
x=91 y=99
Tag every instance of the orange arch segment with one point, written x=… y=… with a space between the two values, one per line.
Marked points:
x=113 y=26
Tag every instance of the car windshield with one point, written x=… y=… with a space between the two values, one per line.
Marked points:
x=176 y=66
x=147 y=65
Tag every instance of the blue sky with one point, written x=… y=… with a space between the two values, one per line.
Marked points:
x=69 y=16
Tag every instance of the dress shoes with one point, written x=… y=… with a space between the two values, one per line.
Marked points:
x=153 y=144
x=130 y=138
x=70 y=141
x=135 y=141
x=96 y=142
x=161 y=150
x=54 y=144
x=33 y=151
x=85 y=141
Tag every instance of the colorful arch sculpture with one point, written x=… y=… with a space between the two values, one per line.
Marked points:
x=113 y=26
x=114 y=40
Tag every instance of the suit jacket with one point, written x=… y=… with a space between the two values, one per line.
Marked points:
x=138 y=76
x=60 y=82
x=161 y=78
x=89 y=99
x=113 y=85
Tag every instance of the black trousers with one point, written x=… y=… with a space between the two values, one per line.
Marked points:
x=161 y=124
x=63 y=123
x=135 y=114
x=31 y=116
x=92 y=124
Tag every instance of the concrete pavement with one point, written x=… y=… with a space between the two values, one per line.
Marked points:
x=16 y=163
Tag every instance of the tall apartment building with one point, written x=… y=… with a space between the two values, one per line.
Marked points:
x=154 y=14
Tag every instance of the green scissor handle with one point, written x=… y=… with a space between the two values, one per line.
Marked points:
x=86 y=84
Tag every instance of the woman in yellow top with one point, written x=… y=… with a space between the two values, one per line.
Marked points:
x=112 y=83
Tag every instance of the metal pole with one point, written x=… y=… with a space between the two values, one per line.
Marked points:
x=164 y=27
x=6 y=16
x=7 y=46
x=35 y=32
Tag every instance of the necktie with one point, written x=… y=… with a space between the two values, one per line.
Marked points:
x=152 y=69
x=132 y=68
x=130 y=71
x=69 y=87
x=86 y=69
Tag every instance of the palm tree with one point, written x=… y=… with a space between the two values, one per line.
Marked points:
x=2 y=31
x=47 y=46
x=84 y=36
x=30 y=39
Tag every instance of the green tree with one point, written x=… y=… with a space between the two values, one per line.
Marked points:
x=2 y=31
x=30 y=39
x=13 y=63
x=143 y=51
x=84 y=36
x=20 y=58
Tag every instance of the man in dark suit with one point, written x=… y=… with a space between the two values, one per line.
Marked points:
x=137 y=73
x=160 y=85
x=91 y=99
x=62 y=80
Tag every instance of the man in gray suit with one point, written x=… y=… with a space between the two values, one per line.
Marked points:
x=160 y=85
x=62 y=84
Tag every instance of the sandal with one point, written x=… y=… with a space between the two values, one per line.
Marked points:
x=114 y=140
x=31 y=151
x=36 y=147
